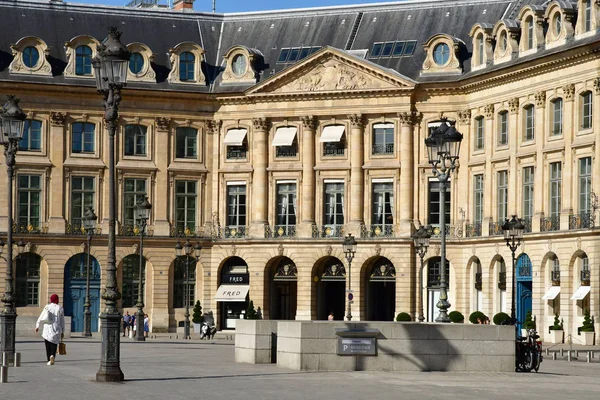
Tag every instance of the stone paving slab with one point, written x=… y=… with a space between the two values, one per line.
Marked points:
x=161 y=369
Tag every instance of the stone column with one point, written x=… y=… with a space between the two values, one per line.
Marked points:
x=307 y=210
x=260 y=184
x=488 y=180
x=357 y=182
x=539 y=189
x=514 y=129
x=407 y=187
x=56 y=214
x=569 y=169
x=161 y=208
x=211 y=161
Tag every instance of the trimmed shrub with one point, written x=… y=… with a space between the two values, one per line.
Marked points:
x=588 y=325
x=456 y=317
x=403 y=317
x=501 y=318
x=477 y=315
x=197 y=317
x=251 y=312
x=529 y=322
x=558 y=326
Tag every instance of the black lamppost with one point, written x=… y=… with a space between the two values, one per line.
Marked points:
x=143 y=210
x=421 y=238
x=513 y=234
x=11 y=132
x=179 y=251
x=110 y=68
x=89 y=224
x=349 y=247
x=443 y=148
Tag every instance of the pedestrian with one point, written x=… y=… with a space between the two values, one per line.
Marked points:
x=132 y=326
x=126 y=322
x=146 y=327
x=53 y=317
x=330 y=317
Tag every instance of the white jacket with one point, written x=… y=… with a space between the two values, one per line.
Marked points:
x=53 y=317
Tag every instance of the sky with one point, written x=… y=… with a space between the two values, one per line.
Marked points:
x=228 y=6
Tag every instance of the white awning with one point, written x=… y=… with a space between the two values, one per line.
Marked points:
x=235 y=137
x=232 y=293
x=332 y=133
x=551 y=293
x=581 y=293
x=383 y=125
x=284 y=136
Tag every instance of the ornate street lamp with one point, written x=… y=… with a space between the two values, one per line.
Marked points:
x=11 y=132
x=349 y=247
x=443 y=148
x=110 y=69
x=143 y=211
x=89 y=224
x=187 y=250
x=513 y=234
x=421 y=238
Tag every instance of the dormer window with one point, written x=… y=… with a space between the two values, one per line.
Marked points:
x=136 y=63
x=140 y=63
x=530 y=33
x=441 y=54
x=243 y=64
x=587 y=15
x=31 y=56
x=83 y=60
x=503 y=42
x=557 y=24
x=480 y=49
x=187 y=62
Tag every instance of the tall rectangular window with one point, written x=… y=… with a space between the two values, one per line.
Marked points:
x=383 y=139
x=435 y=205
x=586 y=110
x=528 y=179
x=82 y=196
x=529 y=122
x=236 y=205
x=555 y=188
x=557 y=116
x=185 y=205
x=135 y=190
x=186 y=143
x=383 y=205
x=479 y=133
x=135 y=140
x=333 y=214
x=503 y=128
x=32 y=136
x=286 y=204
x=587 y=15
x=502 y=195
x=83 y=137
x=477 y=199
x=29 y=195
x=585 y=184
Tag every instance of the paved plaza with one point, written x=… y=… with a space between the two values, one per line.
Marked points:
x=163 y=369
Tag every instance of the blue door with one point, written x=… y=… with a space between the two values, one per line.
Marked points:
x=524 y=285
x=74 y=298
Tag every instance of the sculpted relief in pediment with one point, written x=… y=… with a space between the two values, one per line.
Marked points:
x=332 y=75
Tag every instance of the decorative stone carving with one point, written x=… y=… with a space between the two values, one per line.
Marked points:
x=568 y=91
x=540 y=99
x=378 y=249
x=213 y=126
x=83 y=247
x=135 y=248
x=260 y=124
x=474 y=250
x=513 y=105
x=309 y=122
x=162 y=123
x=597 y=85
x=357 y=120
x=464 y=117
x=497 y=248
x=57 y=118
x=412 y=118
x=436 y=249
x=578 y=243
x=17 y=65
x=328 y=250
x=488 y=110
x=280 y=250
x=233 y=250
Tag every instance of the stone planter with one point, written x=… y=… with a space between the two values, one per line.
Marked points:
x=587 y=338
x=197 y=328
x=556 y=336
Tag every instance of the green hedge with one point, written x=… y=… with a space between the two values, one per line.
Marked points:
x=477 y=314
x=501 y=318
x=456 y=317
x=403 y=317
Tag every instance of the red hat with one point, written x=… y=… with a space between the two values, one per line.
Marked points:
x=54 y=299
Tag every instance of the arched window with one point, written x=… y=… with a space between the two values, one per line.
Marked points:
x=83 y=137
x=557 y=116
x=180 y=279
x=585 y=107
x=480 y=49
x=131 y=280
x=501 y=275
x=135 y=140
x=478 y=276
x=32 y=136
x=529 y=122
x=530 y=33
x=27 y=282
x=187 y=63
x=83 y=60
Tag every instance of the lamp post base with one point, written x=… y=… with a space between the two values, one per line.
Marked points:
x=139 y=327
x=110 y=368
x=87 y=323
x=8 y=322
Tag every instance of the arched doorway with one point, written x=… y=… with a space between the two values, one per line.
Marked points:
x=524 y=285
x=27 y=280
x=75 y=285
x=283 y=288
x=330 y=286
x=433 y=285
x=232 y=294
x=380 y=291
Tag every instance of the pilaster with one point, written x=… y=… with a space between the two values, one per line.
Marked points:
x=488 y=197
x=260 y=187
x=307 y=211
x=568 y=165
x=406 y=192
x=514 y=130
x=596 y=126
x=357 y=184
x=162 y=227
x=56 y=214
x=539 y=189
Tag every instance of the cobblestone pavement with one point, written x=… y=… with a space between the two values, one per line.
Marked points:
x=162 y=369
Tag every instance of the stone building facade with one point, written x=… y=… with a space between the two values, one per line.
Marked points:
x=266 y=137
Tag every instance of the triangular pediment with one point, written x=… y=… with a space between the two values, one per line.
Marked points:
x=332 y=70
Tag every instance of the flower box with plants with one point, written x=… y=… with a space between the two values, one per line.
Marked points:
x=587 y=329
x=556 y=331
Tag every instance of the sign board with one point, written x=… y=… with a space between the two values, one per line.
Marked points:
x=350 y=297
x=357 y=346
x=235 y=278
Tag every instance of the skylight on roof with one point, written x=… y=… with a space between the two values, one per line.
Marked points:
x=400 y=48
x=293 y=54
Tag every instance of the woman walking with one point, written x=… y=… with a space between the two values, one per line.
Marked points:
x=53 y=317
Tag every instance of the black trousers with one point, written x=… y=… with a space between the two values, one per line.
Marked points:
x=50 y=349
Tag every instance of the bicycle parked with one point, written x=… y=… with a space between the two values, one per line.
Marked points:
x=529 y=352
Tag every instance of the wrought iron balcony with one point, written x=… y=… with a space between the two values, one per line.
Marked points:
x=280 y=231
x=327 y=231
x=478 y=281
x=555 y=275
x=548 y=224
x=496 y=229
x=187 y=231
x=452 y=231
x=581 y=221
x=334 y=150
x=236 y=153
x=77 y=229
x=286 y=151
x=233 y=232
x=527 y=224
x=133 y=230
x=585 y=277
x=376 y=231
x=378 y=149
x=473 y=230
x=30 y=228
x=502 y=280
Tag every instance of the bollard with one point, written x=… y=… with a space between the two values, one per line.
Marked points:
x=17 y=359
x=554 y=356
x=3 y=374
x=569 y=356
x=4 y=359
x=562 y=353
x=588 y=357
x=547 y=351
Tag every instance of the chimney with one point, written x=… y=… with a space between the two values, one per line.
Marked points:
x=183 y=5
